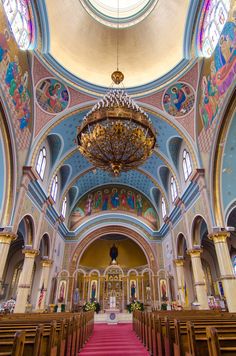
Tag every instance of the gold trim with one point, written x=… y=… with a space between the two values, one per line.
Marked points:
x=8 y=194
x=219 y=237
x=179 y=262
x=46 y=263
x=30 y=253
x=7 y=237
x=195 y=253
x=227 y=119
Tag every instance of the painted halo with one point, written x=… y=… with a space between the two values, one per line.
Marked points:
x=52 y=96
x=178 y=99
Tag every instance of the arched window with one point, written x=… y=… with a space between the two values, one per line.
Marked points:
x=63 y=210
x=163 y=207
x=41 y=163
x=213 y=18
x=54 y=188
x=19 y=17
x=187 y=165
x=173 y=189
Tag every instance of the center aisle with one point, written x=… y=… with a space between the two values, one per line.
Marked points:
x=109 y=340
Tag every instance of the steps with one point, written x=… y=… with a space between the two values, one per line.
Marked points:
x=109 y=340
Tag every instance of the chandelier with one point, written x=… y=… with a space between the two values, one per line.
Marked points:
x=116 y=135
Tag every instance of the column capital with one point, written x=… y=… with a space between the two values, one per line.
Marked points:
x=45 y=262
x=195 y=252
x=218 y=237
x=7 y=237
x=179 y=262
x=30 y=253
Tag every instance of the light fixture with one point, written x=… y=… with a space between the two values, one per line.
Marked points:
x=116 y=134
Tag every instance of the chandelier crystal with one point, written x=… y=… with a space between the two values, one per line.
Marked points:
x=116 y=134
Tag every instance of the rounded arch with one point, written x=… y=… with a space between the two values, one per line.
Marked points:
x=27 y=229
x=94 y=270
x=198 y=230
x=147 y=269
x=122 y=230
x=181 y=245
x=132 y=270
x=44 y=246
x=8 y=163
x=112 y=266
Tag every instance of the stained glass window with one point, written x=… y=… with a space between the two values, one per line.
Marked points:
x=187 y=165
x=63 y=210
x=41 y=163
x=163 y=207
x=173 y=189
x=234 y=264
x=20 y=20
x=54 y=188
x=214 y=17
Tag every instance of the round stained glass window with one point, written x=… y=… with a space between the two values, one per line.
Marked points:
x=19 y=18
x=130 y=11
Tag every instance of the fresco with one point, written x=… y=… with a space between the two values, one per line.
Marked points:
x=218 y=73
x=52 y=96
x=14 y=80
x=178 y=99
x=117 y=199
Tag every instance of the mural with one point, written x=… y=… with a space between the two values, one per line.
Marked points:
x=14 y=80
x=218 y=73
x=178 y=99
x=113 y=198
x=52 y=95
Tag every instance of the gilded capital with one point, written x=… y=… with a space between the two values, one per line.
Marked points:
x=195 y=252
x=30 y=253
x=7 y=237
x=219 y=237
x=179 y=262
x=46 y=262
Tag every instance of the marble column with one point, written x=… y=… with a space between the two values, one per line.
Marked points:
x=43 y=282
x=5 y=240
x=226 y=268
x=24 y=285
x=179 y=267
x=198 y=275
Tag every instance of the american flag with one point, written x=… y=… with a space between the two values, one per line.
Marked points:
x=41 y=295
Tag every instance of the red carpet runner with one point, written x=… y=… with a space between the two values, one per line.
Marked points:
x=109 y=340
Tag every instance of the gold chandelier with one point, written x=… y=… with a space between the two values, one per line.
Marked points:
x=116 y=135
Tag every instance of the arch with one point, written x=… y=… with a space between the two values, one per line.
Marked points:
x=198 y=229
x=173 y=148
x=94 y=270
x=44 y=246
x=79 y=270
x=181 y=245
x=27 y=229
x=63 y=271
x=112 y=266
x=147 y=269
x=8 y=167
x=122 y=230
x=132 y=270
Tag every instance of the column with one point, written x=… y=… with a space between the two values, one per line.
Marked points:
x=5 y=240
x=198 y=275
x=43 y=284
x=24 y=285
x=179 y=267
x=226 y=268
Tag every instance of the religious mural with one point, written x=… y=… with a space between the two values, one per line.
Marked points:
x=52 y=96
x=178 y=99
x=115 y=198
x=218 y=73
x=15 y=79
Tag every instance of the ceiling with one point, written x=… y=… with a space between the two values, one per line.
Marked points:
x=85 y=48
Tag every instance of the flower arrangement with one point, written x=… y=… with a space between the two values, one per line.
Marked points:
x=135 y=306
x=8 y=306
x=95 y=306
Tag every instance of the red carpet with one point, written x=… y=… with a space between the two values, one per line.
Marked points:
x=109 y=340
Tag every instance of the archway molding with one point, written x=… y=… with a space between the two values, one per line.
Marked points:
x=113 y=229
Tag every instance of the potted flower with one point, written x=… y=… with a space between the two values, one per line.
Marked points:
x=135 y=305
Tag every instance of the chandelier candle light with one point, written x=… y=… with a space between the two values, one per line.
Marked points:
x=116 y=134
